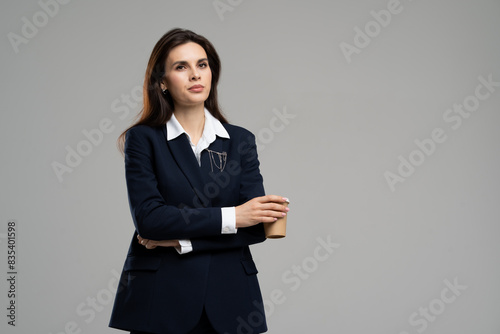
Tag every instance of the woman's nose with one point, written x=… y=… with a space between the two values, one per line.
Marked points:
x=195 y=75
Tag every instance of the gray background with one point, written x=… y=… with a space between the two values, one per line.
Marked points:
x=348 y=124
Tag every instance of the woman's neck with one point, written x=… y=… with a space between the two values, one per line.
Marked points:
x=192 y=121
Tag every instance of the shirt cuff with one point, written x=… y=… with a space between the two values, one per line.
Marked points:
x=184 y=247
x=229 y=220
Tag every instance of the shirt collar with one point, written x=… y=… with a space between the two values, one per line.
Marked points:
x=213 y=127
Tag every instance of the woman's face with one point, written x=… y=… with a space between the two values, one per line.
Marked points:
x=187 y=75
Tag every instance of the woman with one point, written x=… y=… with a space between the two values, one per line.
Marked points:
x=197 y=201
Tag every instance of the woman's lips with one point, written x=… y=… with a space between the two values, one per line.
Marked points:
x=196 y=88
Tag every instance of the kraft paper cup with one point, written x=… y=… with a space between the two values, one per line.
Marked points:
x=277 y=229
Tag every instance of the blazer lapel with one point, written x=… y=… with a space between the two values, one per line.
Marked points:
x=186 y=161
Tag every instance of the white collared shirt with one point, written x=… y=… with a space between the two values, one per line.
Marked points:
x=212 y=128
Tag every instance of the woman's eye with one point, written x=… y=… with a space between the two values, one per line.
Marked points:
x=203 y=65
x=180 y=67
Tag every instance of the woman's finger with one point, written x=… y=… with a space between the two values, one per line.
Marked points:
x=151 y=245
x=274 y=214
x=267 y=220
x=274 y=207
x=142 y=241
x=272 y=198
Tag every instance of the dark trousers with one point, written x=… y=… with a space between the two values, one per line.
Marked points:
x=203 y=327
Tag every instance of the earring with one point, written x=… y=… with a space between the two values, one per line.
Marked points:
x=164 y=91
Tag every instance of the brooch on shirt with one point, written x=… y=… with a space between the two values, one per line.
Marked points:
x=217 y=159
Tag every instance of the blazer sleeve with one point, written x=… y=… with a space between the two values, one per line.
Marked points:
x=251 y=186
x=153 y=218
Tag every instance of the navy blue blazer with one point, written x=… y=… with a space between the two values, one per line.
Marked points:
x=172 y=197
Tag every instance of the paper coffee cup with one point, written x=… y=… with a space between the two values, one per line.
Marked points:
x=276 y=229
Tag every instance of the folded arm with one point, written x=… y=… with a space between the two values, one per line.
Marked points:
x=153 y=218
x=161 y=225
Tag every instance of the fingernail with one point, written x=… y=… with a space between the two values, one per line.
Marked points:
x=287 y=209
x=283 y=214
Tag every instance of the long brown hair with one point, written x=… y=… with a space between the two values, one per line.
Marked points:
x=158 y=107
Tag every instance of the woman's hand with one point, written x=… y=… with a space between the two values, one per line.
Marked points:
x=152 y=244
x=264 y=209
